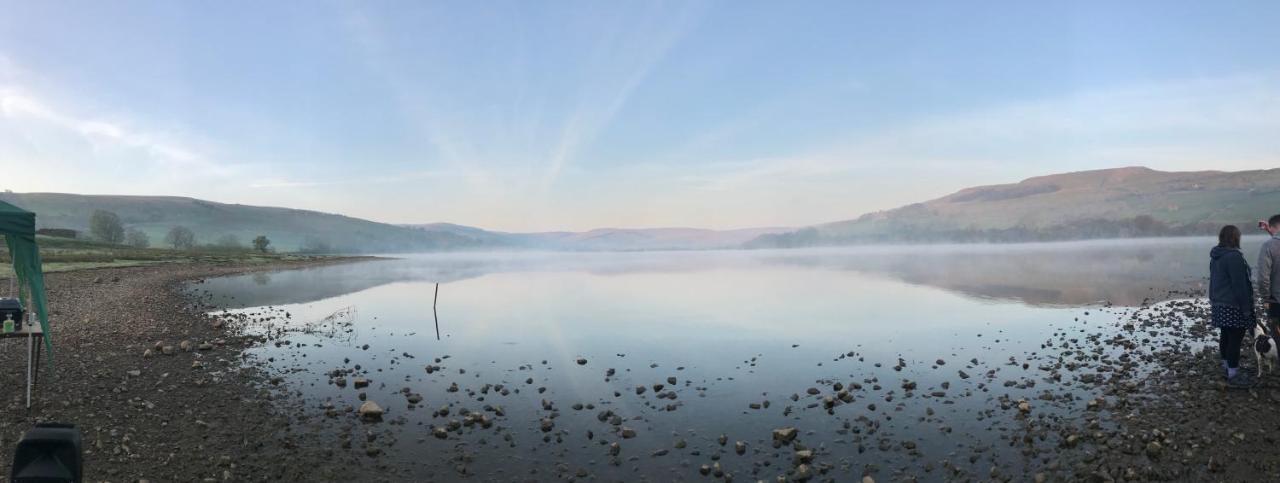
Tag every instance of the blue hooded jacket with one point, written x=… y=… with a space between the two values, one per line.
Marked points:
x=1229 y=280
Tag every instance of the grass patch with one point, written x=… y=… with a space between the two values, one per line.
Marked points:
x=63 y=254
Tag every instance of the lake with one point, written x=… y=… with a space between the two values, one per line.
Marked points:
x=889 y=361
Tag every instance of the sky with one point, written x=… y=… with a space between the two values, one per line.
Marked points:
x=565 y=115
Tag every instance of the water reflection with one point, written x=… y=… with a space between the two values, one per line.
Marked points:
x=1120 y=272
x=744 y=334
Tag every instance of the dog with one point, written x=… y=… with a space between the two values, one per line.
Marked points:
x=1264 y=348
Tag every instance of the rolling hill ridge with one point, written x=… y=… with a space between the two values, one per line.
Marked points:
x=294 y=230
x=1108 y=203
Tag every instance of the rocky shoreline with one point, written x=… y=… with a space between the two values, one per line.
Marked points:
x=158 y=391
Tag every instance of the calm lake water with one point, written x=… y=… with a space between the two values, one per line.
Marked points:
x=733 y=328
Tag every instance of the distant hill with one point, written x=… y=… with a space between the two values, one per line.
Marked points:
x=655 y=238
x=1109 y=203
x=294 y=230
x=288 y=229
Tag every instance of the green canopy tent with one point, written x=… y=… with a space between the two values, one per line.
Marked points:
x=19 y=229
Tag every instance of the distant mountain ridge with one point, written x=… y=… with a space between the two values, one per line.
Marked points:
x=293 y=229
x=1107 y=203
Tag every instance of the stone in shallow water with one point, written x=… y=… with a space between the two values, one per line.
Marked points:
x=803 y=473
x=785 y=435
x=370 y=411
x=803 y=456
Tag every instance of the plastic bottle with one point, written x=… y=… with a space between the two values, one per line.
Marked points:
x=8 y=323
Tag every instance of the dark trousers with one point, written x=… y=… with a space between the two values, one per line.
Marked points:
x=1229 y=340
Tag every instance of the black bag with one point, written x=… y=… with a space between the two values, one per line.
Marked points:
x=11 y=306
x=48 y=453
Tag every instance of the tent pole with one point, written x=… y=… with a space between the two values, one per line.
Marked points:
x=29 y=353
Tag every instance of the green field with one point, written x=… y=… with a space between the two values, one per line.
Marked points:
x=62 y=254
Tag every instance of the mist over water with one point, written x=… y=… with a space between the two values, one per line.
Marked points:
x=1122 y=272
x=733 y=327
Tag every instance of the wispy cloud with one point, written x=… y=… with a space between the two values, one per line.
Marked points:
x=403 y=177
x=415 y=98
x=20 y=107
x=1198 y=117
x=1224 y=123
x=626 y=60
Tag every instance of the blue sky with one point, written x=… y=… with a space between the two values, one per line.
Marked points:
x=540 y=115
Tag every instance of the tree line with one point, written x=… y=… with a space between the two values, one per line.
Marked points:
x=106 y=226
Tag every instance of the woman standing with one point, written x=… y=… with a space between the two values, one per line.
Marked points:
x=1231 y=300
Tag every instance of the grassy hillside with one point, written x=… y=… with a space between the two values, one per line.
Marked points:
x=287 y=228
x=1120 y=202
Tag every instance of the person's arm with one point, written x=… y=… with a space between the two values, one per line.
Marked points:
x=1264 y=272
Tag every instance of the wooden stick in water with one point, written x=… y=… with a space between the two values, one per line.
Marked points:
x=433 y=310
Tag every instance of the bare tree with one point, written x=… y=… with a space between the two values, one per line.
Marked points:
x=180 y=238
x=137 y=238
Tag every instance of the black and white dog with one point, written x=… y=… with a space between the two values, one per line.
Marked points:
x=1264 y=347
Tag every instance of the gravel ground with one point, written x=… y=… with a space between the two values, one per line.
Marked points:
x=192 y=415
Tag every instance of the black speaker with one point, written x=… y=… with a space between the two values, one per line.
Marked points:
x=48 y=453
